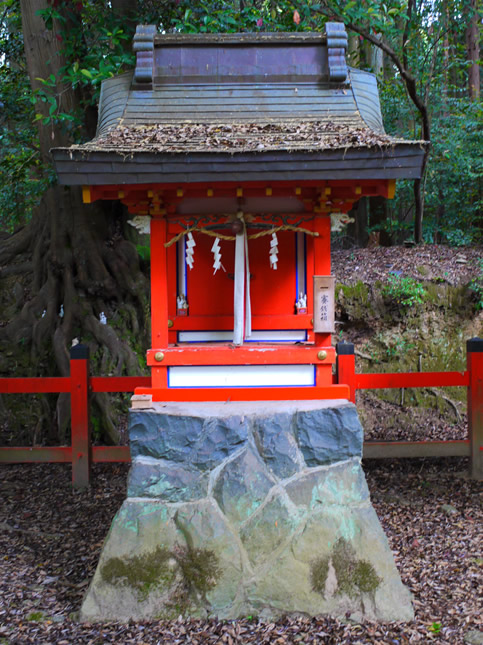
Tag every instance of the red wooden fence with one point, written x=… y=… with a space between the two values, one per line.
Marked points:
x=81 y=454
x=471 y=378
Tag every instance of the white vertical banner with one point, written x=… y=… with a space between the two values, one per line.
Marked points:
x=248 y=303
x=239 y=290
x=301 y=286
x=182 y=267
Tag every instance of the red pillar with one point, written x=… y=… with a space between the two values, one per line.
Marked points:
x=159 y=297
x=474 y=358
x=79 y=406
x=346 y=368
x=322 y=267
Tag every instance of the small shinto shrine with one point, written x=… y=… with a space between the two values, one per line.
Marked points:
x=238 y=153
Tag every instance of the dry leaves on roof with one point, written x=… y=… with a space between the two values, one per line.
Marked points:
x=241 y=137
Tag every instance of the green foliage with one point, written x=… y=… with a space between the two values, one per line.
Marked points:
x=435 y=628
x=198 y=569
x=430 y=41
x=23 y=178
x=453 y=186
x=141 y=572
x=405 y=291
x=36 y=616
x=95 y=46
x=455 y=175
x=144 y=252
x=397 y=348
x=225 y=17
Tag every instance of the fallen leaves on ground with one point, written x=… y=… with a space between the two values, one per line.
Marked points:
x=51 y=537
x=387 y=421
x=432 y=262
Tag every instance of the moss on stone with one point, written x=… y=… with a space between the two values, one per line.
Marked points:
x=355 y=299
x=141 y=572
x=318 y=573
x=365 y=578
x=354 y=576
x=358 y=291
x=198 y=569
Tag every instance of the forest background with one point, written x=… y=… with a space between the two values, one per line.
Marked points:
x=61 y=267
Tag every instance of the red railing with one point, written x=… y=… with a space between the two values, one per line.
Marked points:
x=81 y=454
x=471 y=378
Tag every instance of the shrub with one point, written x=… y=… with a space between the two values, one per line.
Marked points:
x=404 y=291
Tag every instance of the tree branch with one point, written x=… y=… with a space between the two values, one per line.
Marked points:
x=409 y=79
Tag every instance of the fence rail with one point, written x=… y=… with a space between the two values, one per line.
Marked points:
x=471 y=378
x=81 y=454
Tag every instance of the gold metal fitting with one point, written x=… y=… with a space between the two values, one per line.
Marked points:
x=322 y=355
x=170 y=323
x=159 y=356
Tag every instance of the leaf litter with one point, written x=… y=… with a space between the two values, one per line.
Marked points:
x=431 y=262
x=50 y=554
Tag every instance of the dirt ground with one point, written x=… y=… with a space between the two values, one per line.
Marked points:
x=453 y=265
x=51 y=537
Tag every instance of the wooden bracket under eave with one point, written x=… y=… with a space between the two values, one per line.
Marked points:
x=86 y=195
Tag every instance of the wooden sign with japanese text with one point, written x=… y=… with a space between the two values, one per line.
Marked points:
x=324 y=309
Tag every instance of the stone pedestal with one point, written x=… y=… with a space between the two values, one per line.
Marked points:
x=243 y=509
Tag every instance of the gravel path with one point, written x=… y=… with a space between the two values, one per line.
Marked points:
x=51 y=536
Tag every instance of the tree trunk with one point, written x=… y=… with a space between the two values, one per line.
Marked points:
x=377 y=59
x=361 y=236
x=354 y=49
x=377 y=217
x=44 y=57
x=473 y=49
x=82 y=265
x=127 y=10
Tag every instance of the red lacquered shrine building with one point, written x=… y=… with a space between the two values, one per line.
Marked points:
x=237 y=152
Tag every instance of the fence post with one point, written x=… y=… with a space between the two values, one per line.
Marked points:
x=346 y=367
x=474 y=361
x=79 y=408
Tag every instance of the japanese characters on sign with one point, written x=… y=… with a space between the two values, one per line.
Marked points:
x=324 y=310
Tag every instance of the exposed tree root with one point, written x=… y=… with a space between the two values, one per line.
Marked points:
x=81 y=266
x=364 y=356
x=16 y=269
x=446 y=399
